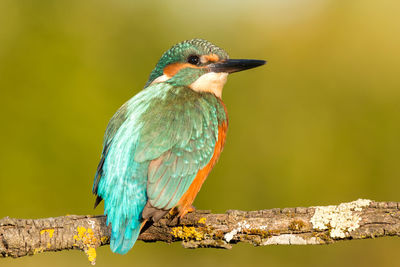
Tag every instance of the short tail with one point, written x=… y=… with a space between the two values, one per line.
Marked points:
x=123 y=240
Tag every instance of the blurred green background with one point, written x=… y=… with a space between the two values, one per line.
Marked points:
x=318 y=125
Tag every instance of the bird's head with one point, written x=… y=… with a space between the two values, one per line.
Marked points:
x=198 y=64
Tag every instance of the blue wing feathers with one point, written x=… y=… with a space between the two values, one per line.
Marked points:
x=153 y=149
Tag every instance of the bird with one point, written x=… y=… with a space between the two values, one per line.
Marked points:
x=160 y=146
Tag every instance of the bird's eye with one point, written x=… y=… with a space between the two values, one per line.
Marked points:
x=193 y=59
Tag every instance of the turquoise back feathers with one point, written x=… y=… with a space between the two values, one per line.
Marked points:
x=175 y=125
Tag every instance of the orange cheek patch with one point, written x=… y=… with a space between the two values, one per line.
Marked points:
x=172 y=69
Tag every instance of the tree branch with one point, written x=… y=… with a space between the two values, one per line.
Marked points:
x=359 y=219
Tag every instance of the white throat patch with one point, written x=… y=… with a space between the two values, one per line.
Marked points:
x=211 y=82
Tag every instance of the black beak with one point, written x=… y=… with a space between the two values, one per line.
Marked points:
x=235 y=65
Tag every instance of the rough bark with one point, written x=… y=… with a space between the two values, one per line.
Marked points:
x=359 y=219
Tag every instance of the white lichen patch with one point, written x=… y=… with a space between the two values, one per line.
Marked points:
x=92 y=223
x=340 y=219
x=241 y=226
x=290 y=239
x=228 y=236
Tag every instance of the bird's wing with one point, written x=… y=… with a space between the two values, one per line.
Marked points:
x=120 y=180
x=115 y=123
x=179 y=141
x=153 y=148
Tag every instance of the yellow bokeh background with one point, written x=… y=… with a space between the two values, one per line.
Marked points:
x=318 y=125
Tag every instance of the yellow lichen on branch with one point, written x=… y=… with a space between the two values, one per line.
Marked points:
x=49 y=231
x=202 y=220
x=187 y=233
x=86 y=240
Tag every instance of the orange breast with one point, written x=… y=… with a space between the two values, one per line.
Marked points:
x=185 y=203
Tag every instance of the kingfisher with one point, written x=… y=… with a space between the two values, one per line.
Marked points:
x=160 y=146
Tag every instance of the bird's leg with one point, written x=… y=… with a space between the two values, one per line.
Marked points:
x=173 y=211
x=185 y=210
x=180 y=212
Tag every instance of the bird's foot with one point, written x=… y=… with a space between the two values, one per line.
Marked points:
x=185 y=210
x=173 y=211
